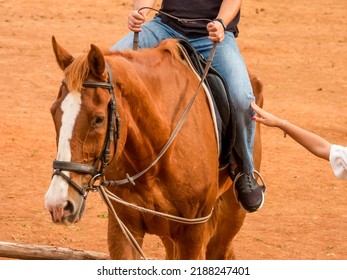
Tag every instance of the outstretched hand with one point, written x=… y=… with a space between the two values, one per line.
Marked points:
x=265 y=117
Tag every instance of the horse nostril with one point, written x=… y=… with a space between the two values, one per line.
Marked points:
x=69 y=207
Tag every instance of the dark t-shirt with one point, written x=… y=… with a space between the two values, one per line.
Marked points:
x=194 y=9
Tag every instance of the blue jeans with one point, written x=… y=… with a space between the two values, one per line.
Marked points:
x=230 y=65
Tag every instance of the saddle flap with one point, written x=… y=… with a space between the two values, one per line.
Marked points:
x=221 y=100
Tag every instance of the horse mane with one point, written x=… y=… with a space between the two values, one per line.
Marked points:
x=155 y=54
x=79 y=69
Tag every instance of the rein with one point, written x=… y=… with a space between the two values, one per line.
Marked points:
x=107 y=195
x=181 y=20
x=131 y=179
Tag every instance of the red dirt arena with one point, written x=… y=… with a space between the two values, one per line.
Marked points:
x=297 y=49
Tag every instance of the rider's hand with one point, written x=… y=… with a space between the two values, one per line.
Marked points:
x=135 y=20
x=215 y=31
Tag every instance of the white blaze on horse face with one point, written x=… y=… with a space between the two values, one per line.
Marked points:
x=71 y=107
x=57 y=193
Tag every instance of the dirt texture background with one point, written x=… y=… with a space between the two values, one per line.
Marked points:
x=297 y=48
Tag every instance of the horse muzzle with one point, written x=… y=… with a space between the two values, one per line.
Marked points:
x=64 y=205
x=67 y=212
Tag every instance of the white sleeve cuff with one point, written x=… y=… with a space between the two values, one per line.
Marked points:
x=338 y=161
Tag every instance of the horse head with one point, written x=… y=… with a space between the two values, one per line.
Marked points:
x=81 y=118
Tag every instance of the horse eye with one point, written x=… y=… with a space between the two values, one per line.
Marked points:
x=98 y=121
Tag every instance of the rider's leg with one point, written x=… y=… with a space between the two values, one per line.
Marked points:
x=229 y=63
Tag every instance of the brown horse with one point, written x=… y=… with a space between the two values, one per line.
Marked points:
x=113 y=116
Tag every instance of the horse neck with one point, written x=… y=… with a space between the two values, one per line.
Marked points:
x=147 y=127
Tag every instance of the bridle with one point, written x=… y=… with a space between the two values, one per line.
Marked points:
x=96 y=170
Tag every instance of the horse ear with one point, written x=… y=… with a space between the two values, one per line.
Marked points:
x=96 y=61
x=64 y=58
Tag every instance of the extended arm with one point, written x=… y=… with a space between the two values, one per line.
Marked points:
x=312 y=142
x=229 y=10
x=138 y=4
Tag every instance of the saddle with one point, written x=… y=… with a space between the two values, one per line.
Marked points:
x=223 y=107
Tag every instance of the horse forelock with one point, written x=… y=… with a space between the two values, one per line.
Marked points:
x=76 y=73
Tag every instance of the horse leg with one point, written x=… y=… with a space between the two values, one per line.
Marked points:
x=119 y=246
x=227 y=221
x=170 y=249
x=191 y=243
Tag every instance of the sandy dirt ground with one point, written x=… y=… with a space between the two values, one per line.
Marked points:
x=298 y=49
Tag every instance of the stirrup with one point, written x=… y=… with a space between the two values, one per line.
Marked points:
x=263 y=186
x=240 y=174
